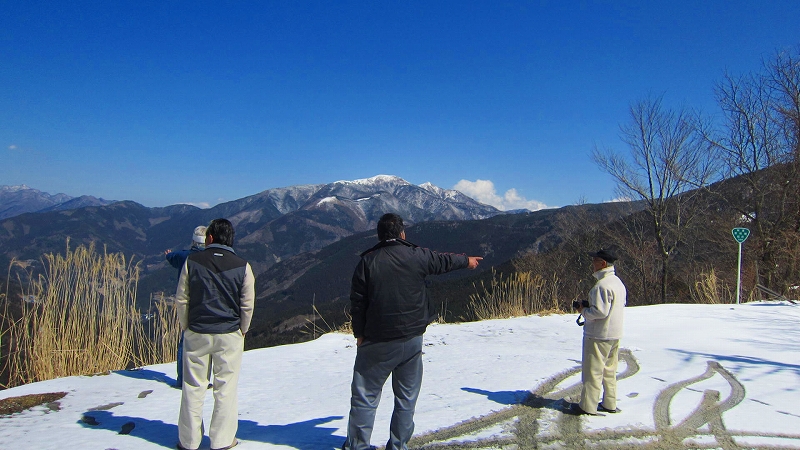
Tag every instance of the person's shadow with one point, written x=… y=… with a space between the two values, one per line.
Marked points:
x=526 y=398
x=501 y=397
x=147 y=374
x=306 y=435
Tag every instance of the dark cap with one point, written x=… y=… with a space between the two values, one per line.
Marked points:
x=604 y=254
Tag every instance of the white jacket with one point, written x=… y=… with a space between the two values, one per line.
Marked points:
x=607 y=301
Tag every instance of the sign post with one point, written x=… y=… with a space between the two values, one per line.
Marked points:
x=740 y=234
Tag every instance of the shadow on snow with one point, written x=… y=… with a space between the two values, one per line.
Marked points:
x=501 y=397
x=306 y=435
x=147 y=374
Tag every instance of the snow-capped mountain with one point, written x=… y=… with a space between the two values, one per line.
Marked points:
x=417 y=203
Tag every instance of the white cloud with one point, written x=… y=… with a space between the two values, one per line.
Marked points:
x=485 y=192
x=12 y=147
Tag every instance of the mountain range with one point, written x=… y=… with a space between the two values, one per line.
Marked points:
x=271 y=226
x=302 y=241
x=16 y=200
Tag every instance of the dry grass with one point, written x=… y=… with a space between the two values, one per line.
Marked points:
x=79 y=317
x=710 y=289
x=347 y=326
x=519 y=294
x=317 y=326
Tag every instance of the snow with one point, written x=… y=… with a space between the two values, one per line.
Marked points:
x=16 y=188
x=328 y=200
x=376 y=179
x=297 y=396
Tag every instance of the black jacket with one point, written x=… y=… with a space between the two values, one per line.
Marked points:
x=388 y=299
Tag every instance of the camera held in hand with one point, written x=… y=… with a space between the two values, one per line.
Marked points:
x=578 y=305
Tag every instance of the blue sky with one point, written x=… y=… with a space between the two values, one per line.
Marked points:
x=205 y=102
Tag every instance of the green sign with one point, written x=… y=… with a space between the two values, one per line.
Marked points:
x=740 y=234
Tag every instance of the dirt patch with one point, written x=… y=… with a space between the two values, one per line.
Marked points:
x=14 y=405
x=106 y=407
x=144 y=394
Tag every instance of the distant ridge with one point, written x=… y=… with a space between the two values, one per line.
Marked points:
x=21 y=199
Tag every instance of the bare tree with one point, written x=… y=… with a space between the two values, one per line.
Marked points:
x=760 y=144
x=667 y=160
x=784 y=79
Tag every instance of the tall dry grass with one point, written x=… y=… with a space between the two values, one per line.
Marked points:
x=79 y=317
x=710 y=289
x=317 y=325
x=518 y=294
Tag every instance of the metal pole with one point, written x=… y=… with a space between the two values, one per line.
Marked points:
x=739 y=276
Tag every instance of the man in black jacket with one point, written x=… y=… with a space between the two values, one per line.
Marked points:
x=391 y=310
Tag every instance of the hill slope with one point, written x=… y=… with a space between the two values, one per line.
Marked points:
x=287 y=289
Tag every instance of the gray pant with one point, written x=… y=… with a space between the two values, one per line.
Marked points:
x=402 y=359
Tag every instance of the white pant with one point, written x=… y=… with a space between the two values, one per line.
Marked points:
x=225 y=351
x=599 y=372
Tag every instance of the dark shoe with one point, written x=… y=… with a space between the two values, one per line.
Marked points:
x=345 y=447
x=602 y=408
x=234 y=444
x=575 y=410
x=180 y=447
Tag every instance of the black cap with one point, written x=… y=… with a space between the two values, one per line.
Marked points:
x=604 y=254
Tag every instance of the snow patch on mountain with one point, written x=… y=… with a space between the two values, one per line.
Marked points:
x=377 y=179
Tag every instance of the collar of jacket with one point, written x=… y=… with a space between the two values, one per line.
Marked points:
x=390 y=242
x=602 y=273
x=224 y=247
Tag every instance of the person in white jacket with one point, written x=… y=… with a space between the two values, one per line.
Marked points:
x=602 y=332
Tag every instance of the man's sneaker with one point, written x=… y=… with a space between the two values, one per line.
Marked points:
x=345 y=447
x=180 y=447
x=602 y=408
x=576 y=410
x=234 y=444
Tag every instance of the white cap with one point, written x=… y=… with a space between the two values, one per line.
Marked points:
x=199 y=235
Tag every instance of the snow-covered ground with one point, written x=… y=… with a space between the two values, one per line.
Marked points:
x=724 y=376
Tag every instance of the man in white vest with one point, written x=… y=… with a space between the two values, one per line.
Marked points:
x=215 y=299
